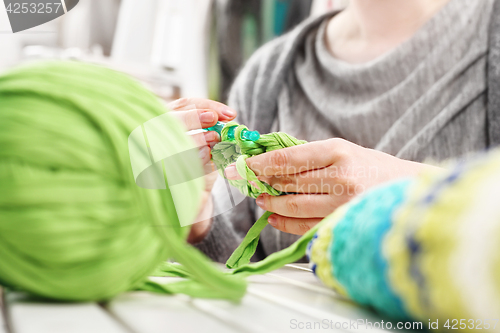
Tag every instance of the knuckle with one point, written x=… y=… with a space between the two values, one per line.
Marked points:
x=279 y=160
x=286 y=181
x=179 y=103
x=291 y=204
x=193 y=118
x=340 y=147
x=336 y=142
x=281 y=183
x=349 y=181
x=183 y=100
x=302 y=227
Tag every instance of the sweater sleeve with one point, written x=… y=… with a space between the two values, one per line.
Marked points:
x=494 y=78
x=220 y=241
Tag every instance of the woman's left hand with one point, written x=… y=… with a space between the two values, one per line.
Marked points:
x=322 y=175
x=198 y=113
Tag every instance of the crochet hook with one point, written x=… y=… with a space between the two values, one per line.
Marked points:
x=245 y=134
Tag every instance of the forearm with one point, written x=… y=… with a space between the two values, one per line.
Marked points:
x=200 y=229
x=216 y=236
x=225 y=231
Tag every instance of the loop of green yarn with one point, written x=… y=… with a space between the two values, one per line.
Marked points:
x=279 y=259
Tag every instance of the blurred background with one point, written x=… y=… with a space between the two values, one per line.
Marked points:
x=176 y=47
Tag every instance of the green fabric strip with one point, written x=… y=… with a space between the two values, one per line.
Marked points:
x=279 y=259
x=188 y=287
x=225 y=153
x=240 y=261
x=171 y=269
x=246 y=249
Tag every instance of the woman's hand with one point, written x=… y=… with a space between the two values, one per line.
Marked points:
x=322 y=175
x=197 y=113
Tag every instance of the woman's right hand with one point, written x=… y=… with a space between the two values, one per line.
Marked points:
x=198 y=113
x=319 y=177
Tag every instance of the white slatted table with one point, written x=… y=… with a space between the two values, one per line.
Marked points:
x=275 y=302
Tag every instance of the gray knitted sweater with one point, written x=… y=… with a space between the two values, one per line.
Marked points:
x=435 y=96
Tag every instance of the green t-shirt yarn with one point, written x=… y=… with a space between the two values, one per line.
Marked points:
x=73 y=223
x=237 y=150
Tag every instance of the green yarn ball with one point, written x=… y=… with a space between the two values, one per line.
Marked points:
x=74 y=225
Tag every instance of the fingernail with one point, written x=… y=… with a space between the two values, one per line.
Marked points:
x=203 y=153
x=260 y=201
x=228 y=113
x=207 y=117
x=272 y=220
x=211 y=136
x=231 y=172
x=264 y=179
x=254 y=184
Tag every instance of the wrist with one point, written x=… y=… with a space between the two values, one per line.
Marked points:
x=416 y=169
x=200 y=229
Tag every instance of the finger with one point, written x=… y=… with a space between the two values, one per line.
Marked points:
x=224 y=112
x=205 y=138
x=204 y=154
x=211 y=175
x=296 y=159
x=231 y=172
x=325 y=180
x=301 y=205
x=292 y=225
x=210 y=168
x=196 y=119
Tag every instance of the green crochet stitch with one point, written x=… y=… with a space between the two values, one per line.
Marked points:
x=237 y=150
